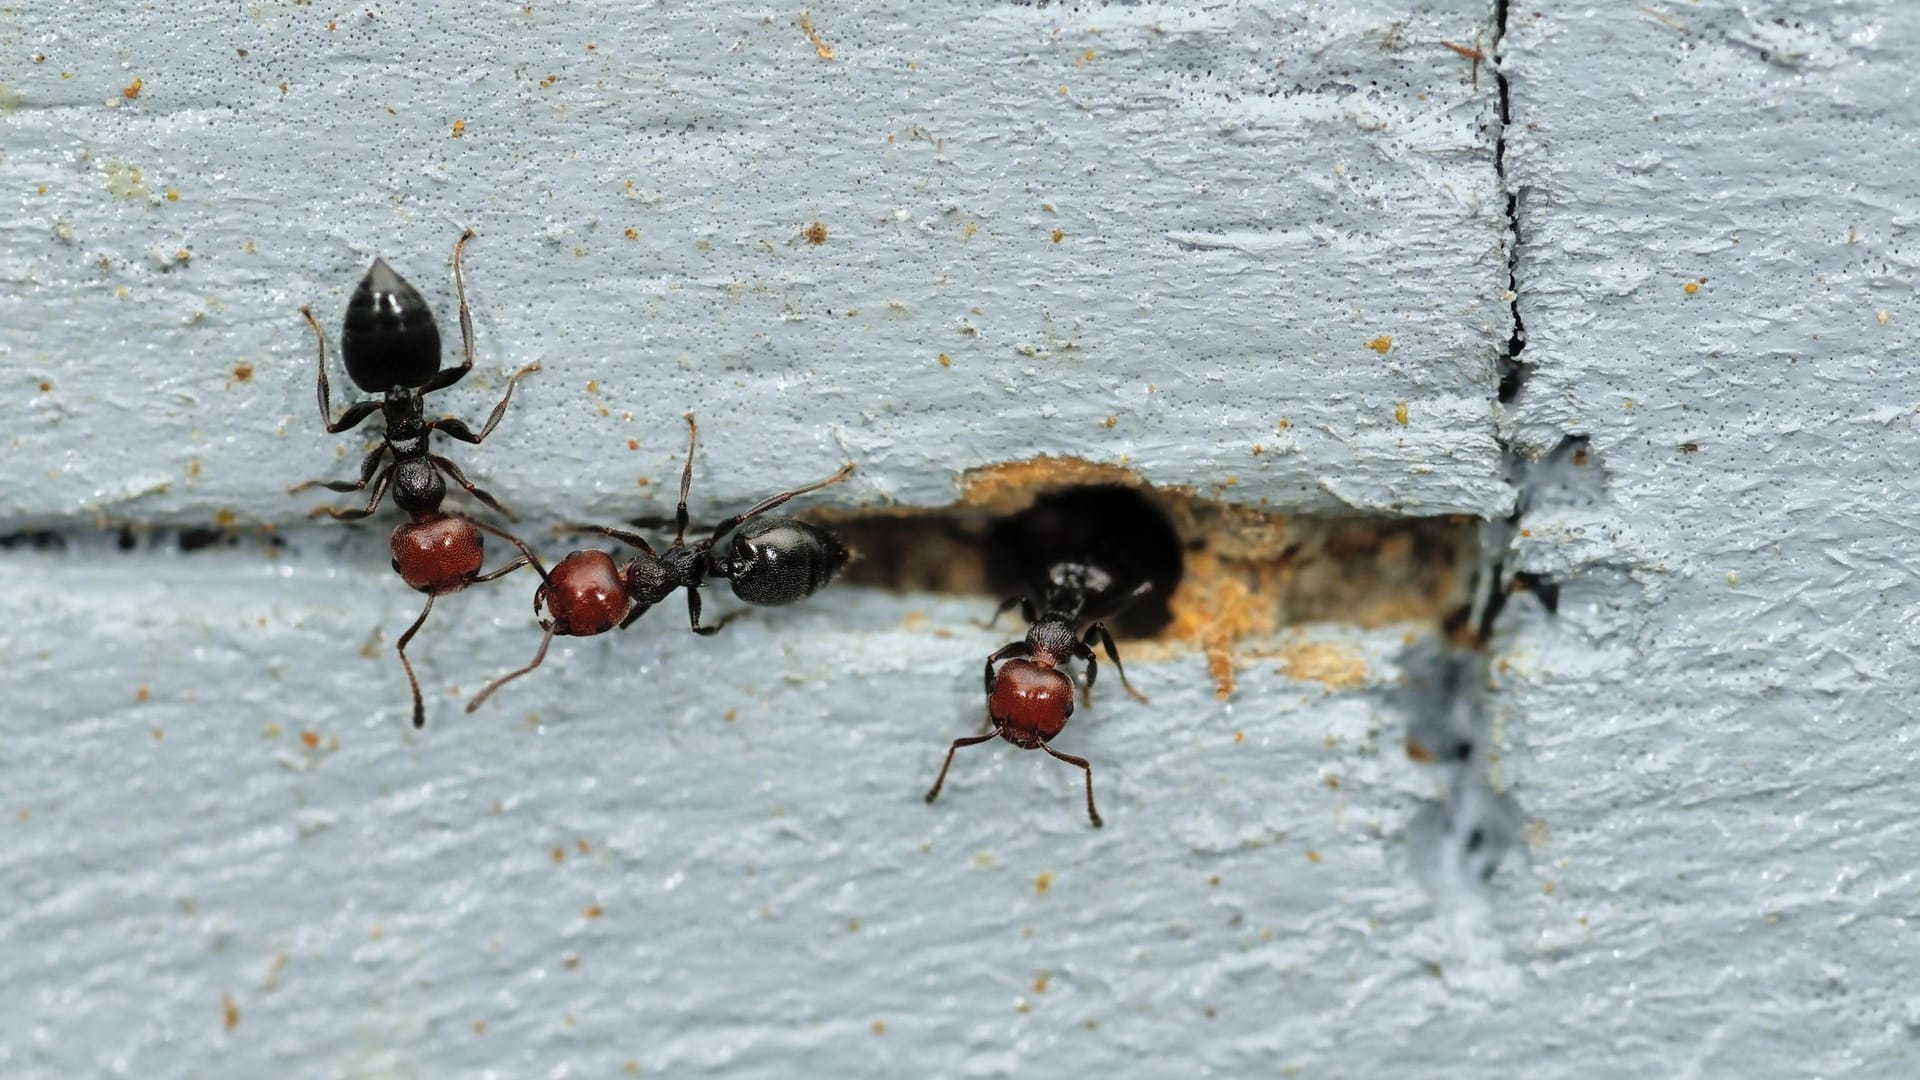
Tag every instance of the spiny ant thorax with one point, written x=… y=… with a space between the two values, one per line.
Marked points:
x=650 y=580
x=1051 y=639
x=417 y=486
x=407 y=430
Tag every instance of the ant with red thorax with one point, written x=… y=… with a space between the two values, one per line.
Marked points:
x=1029 y=698
x=391 y=347
x=768 y=561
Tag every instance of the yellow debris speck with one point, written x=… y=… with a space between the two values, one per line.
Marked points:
x=1381 y=344
x=1881 y=317
x=459 y=128
x=1400 y=413
x=1691 y=287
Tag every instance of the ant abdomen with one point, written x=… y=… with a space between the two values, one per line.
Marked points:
x=772 y=560
x=437 y=553
x=389 y=338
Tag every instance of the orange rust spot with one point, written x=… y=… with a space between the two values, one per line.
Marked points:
x=632 y=1067
x=1042 y=882
x=242 y=372
x=945 y=360
x=1284 y=423
x=1579 y=457
x=1417 y=751
x=820 y=47
x=1400 y=413
x=594 y=911
x=193 y=468
x=459 y=128
x=133 y=89
x=633 y=233
x=159 y=734
x=1313 y=856
x=310 y=739
x=1059 y=235
x=580 y=844
x=46 y=387
x=1332 y=782
x=549 y=80
x=879 y=1027
x=558 y=855
x=142 y=694
x=593 y=387
x=1110 y=421
x=1547 y=887
x=479 y=1027
x=224 y=518
x=633 y=444
x=173 y=195
x=1381 y=344
x=1239 y=736
x=731 y=716
x=1335 y=667
x=1691 y=287
x=1042 y=981
x=229 y=1011
x=815 y=233
x=1012 y=486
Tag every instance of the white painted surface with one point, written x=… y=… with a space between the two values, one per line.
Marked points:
x=1708 y=742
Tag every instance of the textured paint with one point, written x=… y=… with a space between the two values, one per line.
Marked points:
x=935 y=240
x=1138 y=235
x=1716 y=206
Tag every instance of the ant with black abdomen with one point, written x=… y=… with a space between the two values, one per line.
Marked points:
x=768 y=560
x=391 y=347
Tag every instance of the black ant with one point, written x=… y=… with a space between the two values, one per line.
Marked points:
x=768 y=561
x=392 y=347
x=1029 y=698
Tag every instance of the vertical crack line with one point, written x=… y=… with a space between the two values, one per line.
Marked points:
x=1512 y=371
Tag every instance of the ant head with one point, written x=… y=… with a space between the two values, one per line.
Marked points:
x=1029 y=702
x=417 y=487
x=582 y=596
x=389 y=340
x=778 y=560
x=1052 y=641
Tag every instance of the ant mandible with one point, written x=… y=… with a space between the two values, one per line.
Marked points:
x=769 y=561
x=391 y=347
x=1029 y=698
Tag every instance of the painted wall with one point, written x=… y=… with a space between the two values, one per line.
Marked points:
x=1260 y=254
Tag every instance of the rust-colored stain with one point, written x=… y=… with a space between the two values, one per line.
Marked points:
x=1042 y=981
x=633 y=233
x=224 y=518
x=815 y=233
x=1042 y=882
x=459 y=128
x=594 y=911
x=229 y=1011
x=820 y=47
x=310 y=740
x=1059 y=235
x=558 y=855
x=1332 y=666
x=1313 y=856
x=1381 y=344
x=1400 y=413
x=1012 y=486
x=945 y=360
x=133 y=89
x=142 y=694
x=1417 y=751
x=879 y=1027
x=46 y=387
x=242 y=372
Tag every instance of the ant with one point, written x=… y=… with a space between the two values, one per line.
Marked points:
x=391 y=347
x=769 y=561
x=1029 y=698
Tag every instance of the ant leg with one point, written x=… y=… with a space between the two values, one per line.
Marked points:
x=503 y=680
x=632 y=540
x=443 y=379
x=772 y=501
x=693 y=614
x=356 y=412
x=447 y=466
x=458 y=429
x=1008 y=651
x=1006 y=605
x=934 y=792
x=527 y=557
x=373 y=503
x=419 y=710
x=1092 y=814
x=1098 y=631
x=686 y=484
x=367 y=468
